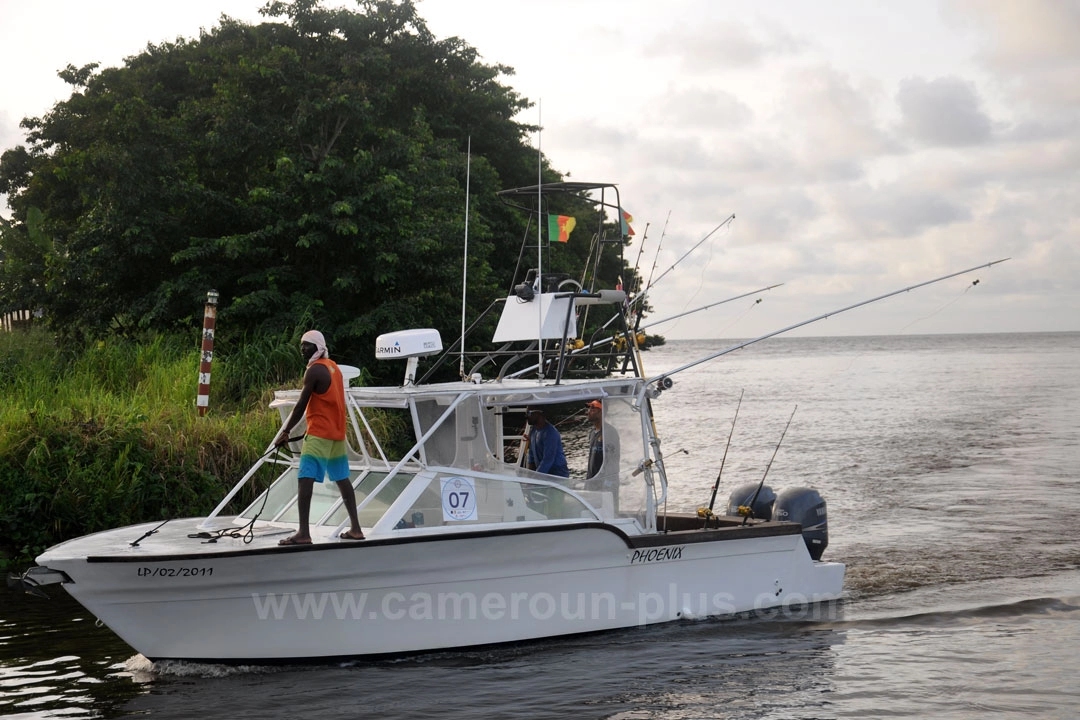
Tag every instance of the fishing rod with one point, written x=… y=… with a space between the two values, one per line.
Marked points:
x=746 y=343
x=605 y=341
x=712 y=500
x=746 y=518
x=656 y=258
x=639 y=299
x=710 y=305
x=684 y=255
x=641 y=251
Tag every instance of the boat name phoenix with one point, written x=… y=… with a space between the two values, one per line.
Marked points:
x=656 y=555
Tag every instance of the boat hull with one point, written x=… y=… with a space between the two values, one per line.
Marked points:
x=240 y=603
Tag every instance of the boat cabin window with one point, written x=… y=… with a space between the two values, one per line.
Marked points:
x=466 y=440
x=623 y=452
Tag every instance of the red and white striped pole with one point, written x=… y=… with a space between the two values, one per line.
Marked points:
x=209 y=318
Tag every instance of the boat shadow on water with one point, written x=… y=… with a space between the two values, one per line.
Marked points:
x=644 y=672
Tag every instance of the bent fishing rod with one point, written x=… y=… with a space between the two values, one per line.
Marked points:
x=789 y=328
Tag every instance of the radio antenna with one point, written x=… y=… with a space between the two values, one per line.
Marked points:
x=465 y=264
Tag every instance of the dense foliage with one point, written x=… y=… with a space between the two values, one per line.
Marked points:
x=110 y=436
x=311 y=168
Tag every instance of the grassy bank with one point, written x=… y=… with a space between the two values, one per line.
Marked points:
x=111 y=436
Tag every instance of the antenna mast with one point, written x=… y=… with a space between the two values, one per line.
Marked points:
x=539 y=241
x=465 y=264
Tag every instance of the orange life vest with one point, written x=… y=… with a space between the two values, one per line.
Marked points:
x=326 y=412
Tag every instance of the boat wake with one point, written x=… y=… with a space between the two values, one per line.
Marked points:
x=143 y=669
x=1031 y=608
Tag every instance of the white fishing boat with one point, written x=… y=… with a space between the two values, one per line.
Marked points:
x=464 y=546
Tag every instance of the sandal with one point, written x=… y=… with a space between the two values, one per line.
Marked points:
x=347 y=535
x=294 y=541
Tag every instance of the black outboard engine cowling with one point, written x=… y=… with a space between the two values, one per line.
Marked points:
x=742 y=495
x=806 y=507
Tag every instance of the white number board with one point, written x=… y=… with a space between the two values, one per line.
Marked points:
x=458 y=499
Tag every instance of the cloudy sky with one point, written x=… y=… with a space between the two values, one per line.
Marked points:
x=862 y=146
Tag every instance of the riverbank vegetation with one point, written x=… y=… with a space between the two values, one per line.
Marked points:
x=111 y=435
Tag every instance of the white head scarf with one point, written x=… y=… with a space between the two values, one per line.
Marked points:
x=316 y=338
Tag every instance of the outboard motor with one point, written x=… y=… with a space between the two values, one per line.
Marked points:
x=742 y=495
x=806 y=507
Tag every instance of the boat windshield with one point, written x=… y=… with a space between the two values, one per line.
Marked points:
x=475 y=443
x=278 y=503
x=450 y=499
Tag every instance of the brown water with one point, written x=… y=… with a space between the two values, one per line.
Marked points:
x=950 y=467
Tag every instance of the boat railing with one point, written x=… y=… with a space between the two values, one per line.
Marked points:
x=359 y=418
x=272 y=454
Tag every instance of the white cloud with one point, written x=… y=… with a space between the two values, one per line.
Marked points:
x=896 y=211
x=944 y=111
x=832 y=124
x=699 y=108
x=705 y=46
x=1030 y=47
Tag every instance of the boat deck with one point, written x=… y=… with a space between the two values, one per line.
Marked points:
x=689 y=528
x=183 y=538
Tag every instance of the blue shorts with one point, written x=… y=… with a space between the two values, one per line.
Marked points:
x=320 y=458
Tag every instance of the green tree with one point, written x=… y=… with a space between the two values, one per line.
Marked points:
x=311 y=168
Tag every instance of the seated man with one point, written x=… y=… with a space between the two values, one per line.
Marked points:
x=545 y=445
x=603 y=453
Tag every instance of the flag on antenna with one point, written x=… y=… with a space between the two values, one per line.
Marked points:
x=560 y=227
x=624 y=222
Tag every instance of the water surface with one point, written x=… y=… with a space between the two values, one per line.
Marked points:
x=949 y=467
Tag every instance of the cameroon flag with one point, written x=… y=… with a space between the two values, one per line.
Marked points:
x=560 y=227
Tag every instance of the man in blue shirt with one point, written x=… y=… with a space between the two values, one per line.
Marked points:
x=545 y=445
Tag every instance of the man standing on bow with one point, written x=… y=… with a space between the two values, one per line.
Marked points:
x=322 y=401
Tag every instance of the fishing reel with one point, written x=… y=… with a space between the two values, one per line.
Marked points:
x=659 y=386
